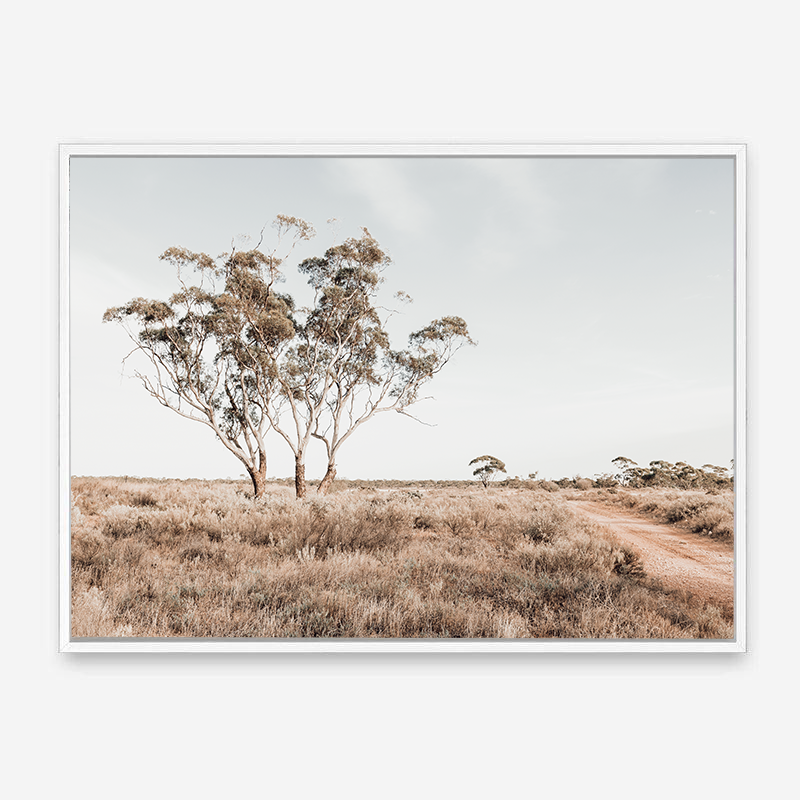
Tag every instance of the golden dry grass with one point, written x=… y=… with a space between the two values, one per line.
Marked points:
x=201 y=559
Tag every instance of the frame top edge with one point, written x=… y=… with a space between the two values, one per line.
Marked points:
x=299 y=147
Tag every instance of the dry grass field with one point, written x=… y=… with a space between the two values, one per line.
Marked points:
x=202 y=559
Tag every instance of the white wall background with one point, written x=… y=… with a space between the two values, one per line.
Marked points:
x=379 y=725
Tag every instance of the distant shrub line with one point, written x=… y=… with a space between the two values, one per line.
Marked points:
x=659 y=474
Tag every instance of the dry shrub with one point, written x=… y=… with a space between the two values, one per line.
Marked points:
x=572 y=556
x=86 y=545
x=457 y=522
x=714 y=521
x=328 y=527
x=154 y=525
x=143 y=499
x=628 y=562
x=626 y=499
x=546 y=522
x=679 y=508
x=120 y=521
x=127 y=553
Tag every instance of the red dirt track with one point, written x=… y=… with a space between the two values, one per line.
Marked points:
x=674 y=555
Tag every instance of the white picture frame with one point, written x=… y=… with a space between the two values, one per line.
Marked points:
x=350 y=149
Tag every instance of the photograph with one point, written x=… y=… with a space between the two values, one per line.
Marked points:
x=413 y=396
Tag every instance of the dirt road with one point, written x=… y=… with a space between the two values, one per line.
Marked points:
x=677 y=557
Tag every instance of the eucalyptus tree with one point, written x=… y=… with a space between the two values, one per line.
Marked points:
x=244 y=359
x=489 y=467
x=341 y=371
x=629 y=471
x=214 y=354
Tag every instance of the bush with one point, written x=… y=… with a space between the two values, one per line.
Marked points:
x=86 y=546
x=716 y=522
x=545 y=523
x=120 y=522
x=628 y=562
x=143 y=500
x=362 y=526
x=606 y=481
x=424 y=522
x=457 y=522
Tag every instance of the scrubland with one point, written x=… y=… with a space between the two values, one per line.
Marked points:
x=202 y=559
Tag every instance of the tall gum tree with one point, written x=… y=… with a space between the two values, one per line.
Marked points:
x=214 y=354
x=341 y=370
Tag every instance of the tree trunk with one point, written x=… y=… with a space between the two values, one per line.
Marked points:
x=325 y=485
x=299 y=477
x=259 y=476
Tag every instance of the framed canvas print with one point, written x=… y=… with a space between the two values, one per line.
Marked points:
x=396 y=397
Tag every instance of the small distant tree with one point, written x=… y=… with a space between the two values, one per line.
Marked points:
x=629 y=471
x=490 y=466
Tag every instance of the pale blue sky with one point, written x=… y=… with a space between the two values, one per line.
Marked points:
x=600 y=291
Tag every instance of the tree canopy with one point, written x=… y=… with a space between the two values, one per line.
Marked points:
x=244 y=359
